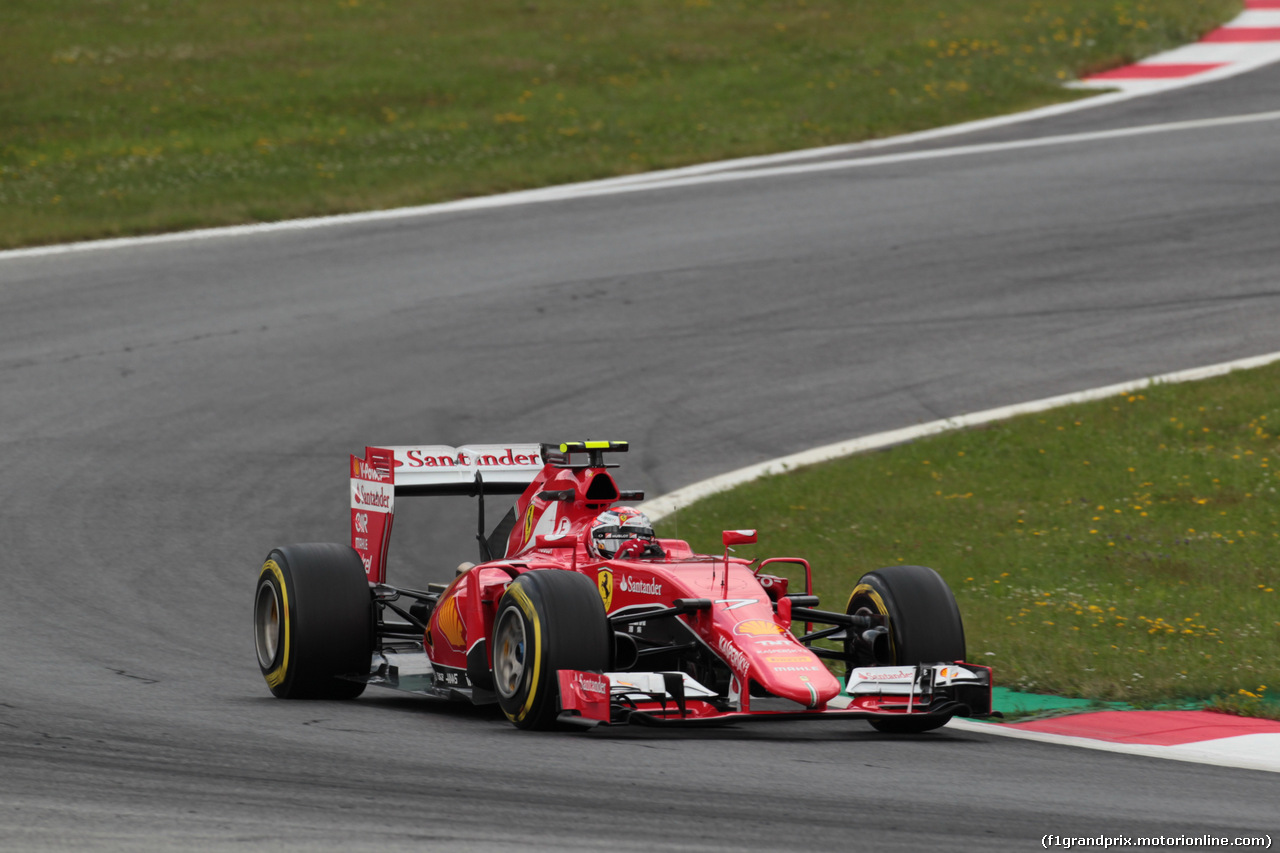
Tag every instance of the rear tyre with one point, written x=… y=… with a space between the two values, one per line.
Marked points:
x=924 y=626
x=546 y=620
x=313 y=621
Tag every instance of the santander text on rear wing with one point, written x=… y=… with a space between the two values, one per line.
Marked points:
x=503 y=469
x=387 y=472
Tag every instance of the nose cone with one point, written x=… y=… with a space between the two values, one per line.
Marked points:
x=797 y=674
x=777 y=661
x=748 y=636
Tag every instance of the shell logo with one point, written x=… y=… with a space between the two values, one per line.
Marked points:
x=355 y=467
x=757 y=628
x=450 y=623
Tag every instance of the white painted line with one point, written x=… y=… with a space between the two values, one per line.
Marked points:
x=958 y=151
x=1262 y=747
x=1204 y=752
x=694 y=176
x=1249 y=752
x=665 y=505
x=1255 y=18
x=563 y=192
x=1205 y=53
x=746 y=167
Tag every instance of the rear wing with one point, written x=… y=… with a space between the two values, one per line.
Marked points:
x=502 y=469
x=387 y=472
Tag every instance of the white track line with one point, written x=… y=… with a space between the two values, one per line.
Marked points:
x=1244 y=751
x=730 y=171
x=1251 y=752
x=946 y=153
x=744 y=168
x=687 y=176
x=669 y=503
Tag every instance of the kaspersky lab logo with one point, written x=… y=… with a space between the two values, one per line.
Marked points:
x=630 y=584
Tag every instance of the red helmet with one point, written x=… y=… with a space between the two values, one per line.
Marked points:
x=621 y=524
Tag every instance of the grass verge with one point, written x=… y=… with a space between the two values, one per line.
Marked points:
x=131 y=116
x=1122 y=550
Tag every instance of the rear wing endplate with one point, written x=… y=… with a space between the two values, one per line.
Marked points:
x=412 y=470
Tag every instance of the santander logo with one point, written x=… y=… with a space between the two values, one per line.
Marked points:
x=371 y=497
x=593 y=684
x=898 y=675
x=630 y=584
x=480 y=456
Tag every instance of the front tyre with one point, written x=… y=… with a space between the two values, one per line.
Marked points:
x=924 y=626
x=313 y=621
x=546 y=620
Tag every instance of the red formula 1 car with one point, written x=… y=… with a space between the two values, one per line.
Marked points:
x=577 y=613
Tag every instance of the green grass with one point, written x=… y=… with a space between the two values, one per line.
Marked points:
x=1123 y=550
x=130 y=116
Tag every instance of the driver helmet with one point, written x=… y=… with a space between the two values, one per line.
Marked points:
x=614 y=526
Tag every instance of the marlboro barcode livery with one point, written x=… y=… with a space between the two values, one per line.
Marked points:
x=577 y=613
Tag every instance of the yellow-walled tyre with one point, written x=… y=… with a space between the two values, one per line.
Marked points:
x=924 y=626
x=546 y=620
x=313 y=621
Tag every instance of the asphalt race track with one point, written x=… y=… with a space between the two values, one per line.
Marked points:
x=170 y=412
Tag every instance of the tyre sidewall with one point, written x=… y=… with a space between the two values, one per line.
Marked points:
x=519 y=599
x=923 y=617
x=565 y=627
x=924 y=627
x=326 y=613
x=279 y=672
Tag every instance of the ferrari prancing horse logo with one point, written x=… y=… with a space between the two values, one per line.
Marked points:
x=604 y=585
x=528 y=524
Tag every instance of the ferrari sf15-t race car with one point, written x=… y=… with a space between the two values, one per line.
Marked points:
x=576 y=613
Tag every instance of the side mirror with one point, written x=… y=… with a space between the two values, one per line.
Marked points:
x=739 y=537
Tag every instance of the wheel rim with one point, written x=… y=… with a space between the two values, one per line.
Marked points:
x=867 y=598
x=266 y=624
x=509 y=654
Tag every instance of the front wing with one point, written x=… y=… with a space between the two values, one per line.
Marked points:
x=935 y=690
